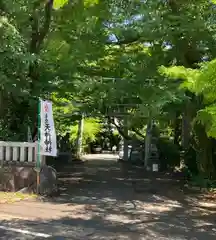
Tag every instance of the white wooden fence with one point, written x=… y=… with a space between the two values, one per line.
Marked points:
x=17 y=152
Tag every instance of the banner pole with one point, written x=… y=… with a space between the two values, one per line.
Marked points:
x=38 y=148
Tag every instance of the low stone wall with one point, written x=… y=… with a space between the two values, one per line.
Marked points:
x=17 y=178
x=14 y=178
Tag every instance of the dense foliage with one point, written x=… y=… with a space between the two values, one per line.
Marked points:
x=129 y=61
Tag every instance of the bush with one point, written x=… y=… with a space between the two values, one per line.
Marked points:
x=169 y=153
x=202 y=182
x=190 y=161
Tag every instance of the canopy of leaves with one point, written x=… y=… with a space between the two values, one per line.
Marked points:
x=105 y=55
x=201 y=82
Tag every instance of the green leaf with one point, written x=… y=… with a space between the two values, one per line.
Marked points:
x=90 y=3
x=59 y=3
x=207 y=117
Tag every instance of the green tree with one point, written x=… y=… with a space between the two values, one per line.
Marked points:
x=105 y=55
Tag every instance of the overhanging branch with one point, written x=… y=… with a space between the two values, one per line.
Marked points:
x=120 y=130
x=138 y=133
x=38 y=34
x=125 y=41
x=47 y=16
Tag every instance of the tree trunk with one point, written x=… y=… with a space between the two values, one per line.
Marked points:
x=186 y=129
x=177 y=129
x=126 y=140
x=80 y=137
x=148 y=143
x=204 y=151
x=38 y=34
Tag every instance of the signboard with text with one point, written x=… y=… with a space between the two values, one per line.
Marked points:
x=48 y=145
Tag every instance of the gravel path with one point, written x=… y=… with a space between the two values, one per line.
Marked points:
x=104 y=199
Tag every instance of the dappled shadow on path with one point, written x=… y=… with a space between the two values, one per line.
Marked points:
x=110 y=200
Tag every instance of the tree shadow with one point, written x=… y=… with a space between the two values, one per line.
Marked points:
x=100 y=201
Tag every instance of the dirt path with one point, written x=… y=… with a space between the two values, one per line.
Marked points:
x=104 y=200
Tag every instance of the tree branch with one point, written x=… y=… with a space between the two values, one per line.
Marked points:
x=121 y=132
x=138 y=133
x=38 y=34
x=37 y=37
x=125 y=41
x=45 y=28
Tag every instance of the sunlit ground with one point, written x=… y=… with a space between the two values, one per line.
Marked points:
x=9 y=197
x=99 y=202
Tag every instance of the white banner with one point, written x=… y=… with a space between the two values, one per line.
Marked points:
x=47 y=130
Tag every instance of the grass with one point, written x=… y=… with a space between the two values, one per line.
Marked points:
x=10 y=197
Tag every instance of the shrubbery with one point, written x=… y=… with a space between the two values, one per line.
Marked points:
x=169 y=153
